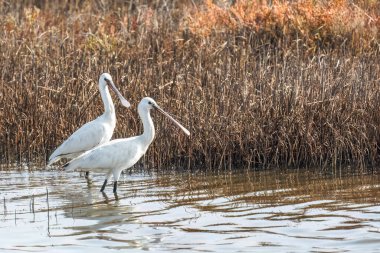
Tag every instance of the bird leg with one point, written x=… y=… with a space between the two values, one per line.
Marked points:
x=104 y=186
x=105 y=197
x=109 y=174
x=89 y=182
x=114 y=187
x=116 y=176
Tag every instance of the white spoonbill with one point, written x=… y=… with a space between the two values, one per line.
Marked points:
x=95 y=132
x=120 y=154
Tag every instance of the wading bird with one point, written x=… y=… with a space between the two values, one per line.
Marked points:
x=93 y=133
x=120 y=154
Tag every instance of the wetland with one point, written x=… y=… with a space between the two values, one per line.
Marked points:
x=241 y=211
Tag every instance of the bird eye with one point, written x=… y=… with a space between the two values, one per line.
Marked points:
x=149 y=102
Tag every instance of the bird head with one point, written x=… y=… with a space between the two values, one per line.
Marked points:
x=105 y=80
x=148 y=103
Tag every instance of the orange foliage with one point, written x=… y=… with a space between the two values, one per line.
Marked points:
x=316 y=21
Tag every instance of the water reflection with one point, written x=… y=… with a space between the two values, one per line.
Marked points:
x=270 y=211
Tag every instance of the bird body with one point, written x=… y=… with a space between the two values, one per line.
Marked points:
x=102 y=158
x=90 y=135
x=93 y=133
x=117 y=155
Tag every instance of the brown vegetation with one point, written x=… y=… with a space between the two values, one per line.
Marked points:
x=315 y=24
x=283 y=84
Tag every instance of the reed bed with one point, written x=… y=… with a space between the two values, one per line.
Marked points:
x=281 y=86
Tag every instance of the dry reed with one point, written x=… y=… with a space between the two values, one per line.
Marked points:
x=254 y=89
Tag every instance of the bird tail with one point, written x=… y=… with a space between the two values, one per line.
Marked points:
x=53 y=159
x=55 y=156
x=70 y=166
x=74 y=164
x=65 y=166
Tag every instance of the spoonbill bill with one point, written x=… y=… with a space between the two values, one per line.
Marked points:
x=93 y=133
x=120 y=154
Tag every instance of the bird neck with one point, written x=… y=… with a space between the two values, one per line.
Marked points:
x=109 y=108
x=149 y=131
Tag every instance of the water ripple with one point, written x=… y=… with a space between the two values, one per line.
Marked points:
x=281 y=211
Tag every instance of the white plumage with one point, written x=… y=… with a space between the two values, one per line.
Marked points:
x=93 y=133
x=120 y=154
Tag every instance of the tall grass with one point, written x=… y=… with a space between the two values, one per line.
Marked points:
x=256 y=93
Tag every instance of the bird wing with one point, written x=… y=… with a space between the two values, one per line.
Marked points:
x=120 y=153
x=85 y=138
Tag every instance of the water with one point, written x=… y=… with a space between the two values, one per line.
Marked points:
x=270 y=211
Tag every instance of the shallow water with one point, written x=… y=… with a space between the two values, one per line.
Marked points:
x=271 y=211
